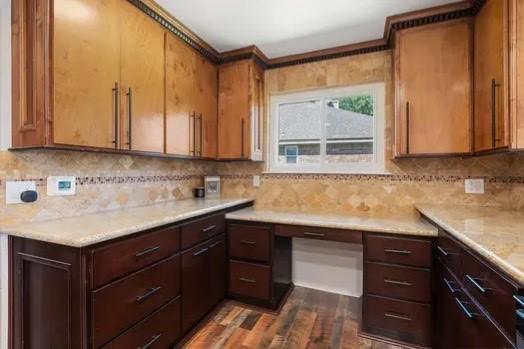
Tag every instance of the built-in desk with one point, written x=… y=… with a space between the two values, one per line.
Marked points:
x=398 y=299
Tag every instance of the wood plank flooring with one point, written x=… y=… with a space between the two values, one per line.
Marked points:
x=310 y=319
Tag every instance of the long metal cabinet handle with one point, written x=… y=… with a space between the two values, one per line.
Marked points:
x=192 y=117
x=242 y=122
x=208 y=229
x=115 y=113
x=201 y=127
x=398 y=282
x=129 y=96
x=519 y=299
x=407 y=128
x=202 y=251
x=147 y=251
x=250 y=281
x=475 y=283
x=395 y=251
x=397 y=316
x=465 y=310
x=494 y=86
x=306 y=233
x=148 y=294
x=153 y=340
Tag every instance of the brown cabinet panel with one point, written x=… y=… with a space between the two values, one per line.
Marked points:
x=491 y=82
x=250 y=280
x=86 y=61
x=181 y=96
x=115 y=260
x=401 y=320
x=121 y=304
x=319 y=233
x=207 y=107
x=433 y=89
x=250 y=242
x=202 y=282
x=142 y=72
x=159 y=330
x=202 y=229
x=392 y=249
x=412 y=284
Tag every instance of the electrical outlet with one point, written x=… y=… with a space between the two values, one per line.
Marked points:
x=256 y=181
x=474 y=186
x=13 y=189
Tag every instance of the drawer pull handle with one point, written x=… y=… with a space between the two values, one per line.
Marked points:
x=251 y=281
x=202 y=251
x=442 y=251
x=397 y=316
x=519 y=299
x=476 y=284
x=148 y=294
x=450 y=286
x=215 y=244
x=247 y=242
x=208 y=229
x=465 y=310
x=397 y=282
x=153 y=340
x=395 y=251
x=320 y=235
x=147 y=251
x=520 y=313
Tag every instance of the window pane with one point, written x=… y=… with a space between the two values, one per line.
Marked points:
x=350 y=129
x=299 y=132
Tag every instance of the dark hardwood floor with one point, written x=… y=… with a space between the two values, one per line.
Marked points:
x=310 y=319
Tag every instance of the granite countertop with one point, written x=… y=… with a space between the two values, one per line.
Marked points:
x=85 y=230
x=494 y=233
x=401 y=225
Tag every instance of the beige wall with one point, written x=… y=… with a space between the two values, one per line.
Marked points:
x=411 y=180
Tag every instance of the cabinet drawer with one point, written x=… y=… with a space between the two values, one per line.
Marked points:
x=402 y=320
x=449 y=253
x=194 y=232
x=118 y=259
x=249 y=242
x=392 y=249
x=491 y=290
x=319 y=233
x=250 y=280
x=120 y=304
x=398 y=282
x=159 y=330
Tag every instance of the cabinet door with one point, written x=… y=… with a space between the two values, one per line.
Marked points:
x=233 y=109
x=207 y=100
x=86 y=70
x=142 y=71
x=433 y=82
x=181 y=96
x=217 y=271
x=491 y=83
x=195 y=283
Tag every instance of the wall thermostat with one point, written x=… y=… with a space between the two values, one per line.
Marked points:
x=61 y=185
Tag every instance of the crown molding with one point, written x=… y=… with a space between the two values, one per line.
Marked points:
x=394 y=23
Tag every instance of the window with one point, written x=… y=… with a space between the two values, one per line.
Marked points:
x=331 y=130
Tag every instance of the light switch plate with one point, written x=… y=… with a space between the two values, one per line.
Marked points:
x=256 y=181
x=13 y=189
x=474 y=186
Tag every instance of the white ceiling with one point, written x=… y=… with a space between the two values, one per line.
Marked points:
x=284 y=27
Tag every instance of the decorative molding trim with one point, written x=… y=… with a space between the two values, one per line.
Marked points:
x=442 y=13
x=98 y=180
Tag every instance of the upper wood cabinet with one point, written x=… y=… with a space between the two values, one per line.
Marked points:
x=86 y=73
x=191 y=101
x=240 y=110
x=142 y=81
x=433 y=70
x=491 y=76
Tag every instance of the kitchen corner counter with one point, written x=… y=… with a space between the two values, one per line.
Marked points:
x=85 y=230
x=494 y=233
x=391 y=225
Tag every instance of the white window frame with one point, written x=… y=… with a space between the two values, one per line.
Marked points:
x=377 y=166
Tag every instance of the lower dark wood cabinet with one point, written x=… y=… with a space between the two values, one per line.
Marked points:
x=203 y=280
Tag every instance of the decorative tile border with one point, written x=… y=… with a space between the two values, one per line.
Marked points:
x=373 y=177
x=40 y=182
